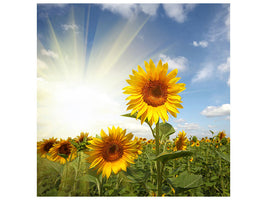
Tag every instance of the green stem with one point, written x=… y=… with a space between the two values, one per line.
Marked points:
x=76 y=174
x=159 y=178
x=188 y=166
x=152 y=131
x=221 y=177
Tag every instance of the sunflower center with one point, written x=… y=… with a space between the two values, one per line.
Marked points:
x=155 y=93
x=64 y=149
x=48 y=146
x=112 y=152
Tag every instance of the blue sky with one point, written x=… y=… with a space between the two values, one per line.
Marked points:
x=86 y=52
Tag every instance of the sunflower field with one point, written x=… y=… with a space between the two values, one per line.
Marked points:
x=205 y=172
x=117 y=163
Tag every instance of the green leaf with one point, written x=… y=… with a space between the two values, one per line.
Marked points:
x=88 y=178
x=165 y=130
x=150 y=186
x=211 y=132
x=168 y=156
x=98 y=136
x=137 y=175
x=63 y=155
x=74 y=144
x=186 y=181
x=223 y=156
x=134 y=116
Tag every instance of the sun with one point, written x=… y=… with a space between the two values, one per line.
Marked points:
x=74 y=104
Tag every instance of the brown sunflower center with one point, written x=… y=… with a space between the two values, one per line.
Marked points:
x=112 y=152
x=48 y=146
x=155 y=93
x=64 y=149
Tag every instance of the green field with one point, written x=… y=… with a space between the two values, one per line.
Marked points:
x=203 y=169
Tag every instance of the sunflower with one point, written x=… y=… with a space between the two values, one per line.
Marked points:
x=44 y=146
x=139 y=146
x=207 y=140
x=154 y=93
x=63 y=151
x=221 y=135
x=83 y=136
x=197 y=144
x=180 y=142
x=113 y=152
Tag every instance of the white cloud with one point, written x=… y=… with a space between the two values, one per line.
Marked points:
x=202 y=43
x=130 y=11
x=67 y=27
x=180 y=62
x=211 y=126
x=49 y=53
x=225 y=67
x=178 y=12
x=125 y=10
x=189 y=126
x=220 y=27
x=41 y=64
x=216 y=111
x=228 y=82
x=180 y=120
x=41 y=67
x=203 y=74
x=149 y=9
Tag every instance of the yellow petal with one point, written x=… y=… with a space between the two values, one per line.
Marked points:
x=172 y=74
x=103 y=134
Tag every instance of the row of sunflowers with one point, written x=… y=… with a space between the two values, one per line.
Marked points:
x=118 y=164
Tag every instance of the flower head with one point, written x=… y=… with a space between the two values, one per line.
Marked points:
x=113 y=152
x=63 y=151
x=154 y=93
x=83 y=136
x=180 y=142
x=44 y=146
x=221 y=135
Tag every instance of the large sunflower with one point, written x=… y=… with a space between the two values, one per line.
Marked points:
x=180 y=142
x=113 y=152
x=44 y=146
x=63 y=151
x=154 y=93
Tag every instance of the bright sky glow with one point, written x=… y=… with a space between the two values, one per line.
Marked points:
x=86 y=52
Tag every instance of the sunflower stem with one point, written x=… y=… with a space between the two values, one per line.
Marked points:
x=152 y=130
x=159 y=178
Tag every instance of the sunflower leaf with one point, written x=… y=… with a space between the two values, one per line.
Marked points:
x=63 y=155
x=186 y=181
x=88 y=178
x=168 y=156
x=211 y=132
x=74 y=144
x=223 y=156
x=165 y=130
x=134 y=116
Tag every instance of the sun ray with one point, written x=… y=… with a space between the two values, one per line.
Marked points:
x=56 y=43
x=124 y=40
